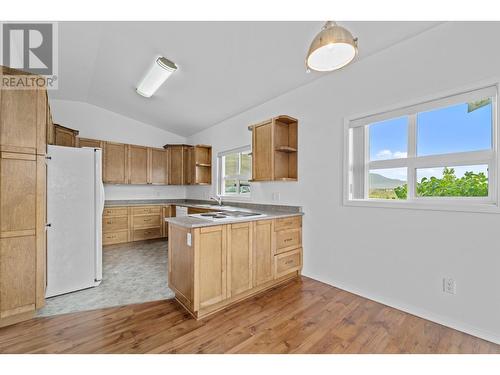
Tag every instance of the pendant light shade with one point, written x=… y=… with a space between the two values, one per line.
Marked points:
x=333 y=48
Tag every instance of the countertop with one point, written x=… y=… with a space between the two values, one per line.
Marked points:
x=194 y=222
x=269 y=211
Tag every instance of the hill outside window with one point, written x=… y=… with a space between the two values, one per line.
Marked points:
x=437 y=154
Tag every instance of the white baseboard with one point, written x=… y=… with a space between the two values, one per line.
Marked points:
x=422 y=313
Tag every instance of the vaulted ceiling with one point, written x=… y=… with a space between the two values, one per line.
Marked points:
x=224 y=67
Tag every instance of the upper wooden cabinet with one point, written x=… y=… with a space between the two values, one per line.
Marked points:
x=87 y=142
x=274 y=149
x=202 y=165
x=189 y=165
x=180 y=166
x=158 y=166
x=115 y=163
x=138 y=165
x=175 y=164
x=64 y=136
x=23 y=119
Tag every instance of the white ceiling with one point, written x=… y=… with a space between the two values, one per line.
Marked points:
x=224 y=67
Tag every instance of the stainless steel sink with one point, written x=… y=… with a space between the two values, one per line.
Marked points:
x=227 y=215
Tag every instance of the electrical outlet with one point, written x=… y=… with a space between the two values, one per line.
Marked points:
x=188 y=239
x=449 y=286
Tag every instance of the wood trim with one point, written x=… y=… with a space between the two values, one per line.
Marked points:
x=17 y=233
x=18 y=310
x=41 y=233
x=17 y=149
x=16 y=156
x=13 y=319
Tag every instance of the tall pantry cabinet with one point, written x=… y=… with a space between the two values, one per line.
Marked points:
x=24 y=117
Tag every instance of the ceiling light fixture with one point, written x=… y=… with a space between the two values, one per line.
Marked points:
x=333 y=48
x=157 y=74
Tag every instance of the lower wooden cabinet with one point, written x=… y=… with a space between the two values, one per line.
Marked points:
x=239 y=258
x=22 y=235
x=263 y=261
x=210 y=249
x=213 y=267
x=122 y=224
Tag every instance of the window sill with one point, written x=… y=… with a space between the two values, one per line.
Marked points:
x=236 y=198
x=480 y=207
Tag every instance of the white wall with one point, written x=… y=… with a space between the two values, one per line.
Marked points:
x=99 y=123
x=396 y=256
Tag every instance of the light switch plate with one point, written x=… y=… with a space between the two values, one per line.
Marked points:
x=188 y=239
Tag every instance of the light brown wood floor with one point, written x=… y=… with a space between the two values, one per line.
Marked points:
x=301 y=316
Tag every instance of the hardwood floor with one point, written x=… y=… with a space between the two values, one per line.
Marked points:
x=301 y=316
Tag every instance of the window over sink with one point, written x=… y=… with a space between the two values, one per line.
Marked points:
x=235 y=172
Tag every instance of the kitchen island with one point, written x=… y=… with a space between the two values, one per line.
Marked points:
x=215 y=262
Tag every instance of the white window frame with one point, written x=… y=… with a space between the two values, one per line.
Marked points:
x=412 y=162
x=221 y=178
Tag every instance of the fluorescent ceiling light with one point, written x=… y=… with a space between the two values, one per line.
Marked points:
x=333 y=48
x=157 y=74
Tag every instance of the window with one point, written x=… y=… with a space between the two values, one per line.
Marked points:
x=235 y=171
x=437 y=152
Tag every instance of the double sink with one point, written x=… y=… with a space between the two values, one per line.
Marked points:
x=230 y=214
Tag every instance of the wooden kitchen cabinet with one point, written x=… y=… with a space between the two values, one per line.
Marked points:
x=239 y=258
x=64 y=136
x=146 y=222
x=138 y=165
x=263 y=261
x=23 y=119
x=210 y=250
x=175 y=164
x=23 y=126
x=202 y=165
x=115 y=163
x=274 y=149
x=87 y=142
x=213 y=267
x=158 y=166
x=115 y=225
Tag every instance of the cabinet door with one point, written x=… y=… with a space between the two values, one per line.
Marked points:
x=211 y=261
x=239 y=258
x=175 y=165
x=64 y=137
x=159 y=165
x=263 y=252
x=22 y=233
x=115 y=163
x=262 y=153
x=188 y=165
x=138 y=165
x=23 y=121
x=86 y=142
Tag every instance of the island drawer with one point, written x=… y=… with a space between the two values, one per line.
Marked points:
x=292 y=222
x=146 y=234
x=146 y=210
x=114 y=237
x=115 y=211
x=288 y=240
x=146 y=221
x=288 y=262
x=110 y=224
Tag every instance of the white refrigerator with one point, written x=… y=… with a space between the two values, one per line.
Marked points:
x=75 y=201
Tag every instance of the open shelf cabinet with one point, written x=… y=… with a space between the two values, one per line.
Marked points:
x=274 y=149
x=203 y=164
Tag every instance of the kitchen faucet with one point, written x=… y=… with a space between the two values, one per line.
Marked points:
x=218 y=199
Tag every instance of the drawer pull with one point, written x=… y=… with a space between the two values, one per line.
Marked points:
x=109 y=222
x=291 y=261
x=288 y=239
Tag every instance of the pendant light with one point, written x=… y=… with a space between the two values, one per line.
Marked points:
x=333 y=48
